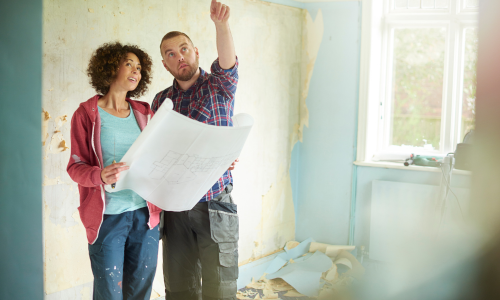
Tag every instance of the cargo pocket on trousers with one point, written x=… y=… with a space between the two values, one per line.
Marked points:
x=224 y=222
x=227 y=254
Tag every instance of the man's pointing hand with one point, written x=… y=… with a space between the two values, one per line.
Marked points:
x=219 y=13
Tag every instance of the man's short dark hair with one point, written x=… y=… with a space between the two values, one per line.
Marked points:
x=173 y=34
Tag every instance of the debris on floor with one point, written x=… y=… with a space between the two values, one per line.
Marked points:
x=268 y=289
x=329 y=250
x=305 y=273
x=306 y=270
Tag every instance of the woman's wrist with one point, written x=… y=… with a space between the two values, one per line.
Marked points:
x=102 y=179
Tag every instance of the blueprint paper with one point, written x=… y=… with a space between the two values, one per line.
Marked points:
x=176 y=160
x=280 y=260
x=304 y=275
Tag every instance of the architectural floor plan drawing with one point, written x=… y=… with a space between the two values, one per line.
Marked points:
x=178 y=168
x=176 y=160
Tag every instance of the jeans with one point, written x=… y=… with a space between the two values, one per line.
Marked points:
x=124 y=257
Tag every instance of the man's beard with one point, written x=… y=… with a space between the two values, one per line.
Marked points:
x=189 y=75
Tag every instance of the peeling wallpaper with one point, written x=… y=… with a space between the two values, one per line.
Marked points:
x=311 y=41
x=276 y=47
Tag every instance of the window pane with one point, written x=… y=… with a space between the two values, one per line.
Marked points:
x=423 y=4
x=472 y=3
x=401 y=3
x=470 y=82
x=417 y=87
x=414 y=4
x=428 y=3
x=442 y=3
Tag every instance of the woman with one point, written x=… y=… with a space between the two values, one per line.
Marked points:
x=122 y=228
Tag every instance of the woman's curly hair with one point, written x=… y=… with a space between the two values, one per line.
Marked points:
x=104 y=63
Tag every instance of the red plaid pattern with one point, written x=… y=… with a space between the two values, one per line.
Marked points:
x=211 y=101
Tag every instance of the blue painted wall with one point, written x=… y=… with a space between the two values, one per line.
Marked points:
x=291 y=3
x=21 y=250
x=294 y=177
x=326 y=155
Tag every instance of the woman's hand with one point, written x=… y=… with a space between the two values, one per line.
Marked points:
x=111 y=173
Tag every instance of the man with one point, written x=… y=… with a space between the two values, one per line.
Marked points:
x=202 y=243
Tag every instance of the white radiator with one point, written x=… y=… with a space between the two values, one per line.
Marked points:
x=404 y=216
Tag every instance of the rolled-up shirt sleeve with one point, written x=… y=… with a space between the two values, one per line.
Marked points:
x=225 y=80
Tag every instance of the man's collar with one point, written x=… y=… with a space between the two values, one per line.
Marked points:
x=198 y=81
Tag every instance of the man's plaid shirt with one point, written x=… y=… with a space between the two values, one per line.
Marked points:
x=211 y=101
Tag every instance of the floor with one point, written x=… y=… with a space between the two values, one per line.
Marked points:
x=372 y=268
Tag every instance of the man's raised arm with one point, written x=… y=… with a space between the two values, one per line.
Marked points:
x=219 y=13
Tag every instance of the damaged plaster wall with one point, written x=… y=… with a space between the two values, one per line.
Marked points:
x=269 y=43
x=278 y=217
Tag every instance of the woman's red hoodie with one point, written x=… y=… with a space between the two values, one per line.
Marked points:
x=85 y=163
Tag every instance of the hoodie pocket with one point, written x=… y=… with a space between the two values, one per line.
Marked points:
x=83 y=208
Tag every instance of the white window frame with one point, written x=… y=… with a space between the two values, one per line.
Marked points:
x=378 y=24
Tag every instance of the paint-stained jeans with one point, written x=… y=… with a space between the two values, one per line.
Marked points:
x=201 y=243
x=124 y=257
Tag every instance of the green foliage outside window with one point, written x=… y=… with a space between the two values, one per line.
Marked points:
x=419 y=55
x=470 y=82
x=417 y=87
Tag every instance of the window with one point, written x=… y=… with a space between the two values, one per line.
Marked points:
x=418 y=77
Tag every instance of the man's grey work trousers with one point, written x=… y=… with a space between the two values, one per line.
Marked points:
x=200 y=250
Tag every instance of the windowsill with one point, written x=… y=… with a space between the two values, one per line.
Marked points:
x=394 y=165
